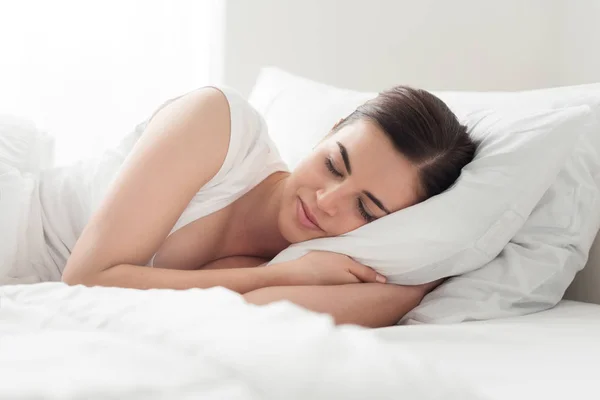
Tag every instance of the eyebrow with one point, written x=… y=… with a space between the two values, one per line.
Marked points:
x=370 y=195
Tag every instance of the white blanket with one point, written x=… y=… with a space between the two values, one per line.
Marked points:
x=59 y=342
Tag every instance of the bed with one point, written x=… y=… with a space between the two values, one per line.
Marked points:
x=65 y=342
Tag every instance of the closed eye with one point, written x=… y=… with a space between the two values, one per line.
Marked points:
x=361 y=209
x=360 y=205
x=332 y=169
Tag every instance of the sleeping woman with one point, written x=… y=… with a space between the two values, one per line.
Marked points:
x=199 y=197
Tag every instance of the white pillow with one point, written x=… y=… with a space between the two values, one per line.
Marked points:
x=533 y=271
x=299 y=112
x=459 y=230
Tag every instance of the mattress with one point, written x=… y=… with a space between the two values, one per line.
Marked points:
x=59 y=342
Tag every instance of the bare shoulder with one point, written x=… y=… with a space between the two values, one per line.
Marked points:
x=192 y=132
x=206 y=106
x=208 y=96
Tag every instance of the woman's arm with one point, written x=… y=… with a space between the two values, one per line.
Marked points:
x=368 y=304
x=235 y=273
x=181 y=149
x=241 y=280
x=239 y=273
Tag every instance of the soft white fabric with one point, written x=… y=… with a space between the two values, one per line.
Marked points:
x=65 y=342
x=536 y=267
x=460 y=230
x=24 y=151
x=550 y=355
x=23 y=145
x=61 y=342
x=299 y=112
x=15 y=189
x=66 y=197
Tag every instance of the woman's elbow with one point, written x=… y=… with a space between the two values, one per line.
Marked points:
x=74 y=276
x=72 y=279
x=260 y=296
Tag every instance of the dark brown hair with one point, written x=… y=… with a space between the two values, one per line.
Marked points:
x=425 y=131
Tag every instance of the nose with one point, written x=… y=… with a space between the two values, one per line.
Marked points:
x=329 y=199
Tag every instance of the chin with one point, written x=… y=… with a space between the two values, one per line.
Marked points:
x=291 y=233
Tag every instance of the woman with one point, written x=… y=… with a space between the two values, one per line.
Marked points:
x=197 y=195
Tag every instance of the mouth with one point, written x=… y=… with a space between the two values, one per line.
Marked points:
x=305 y=217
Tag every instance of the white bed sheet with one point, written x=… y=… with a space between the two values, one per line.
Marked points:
x=554 y=354
x=63 y=342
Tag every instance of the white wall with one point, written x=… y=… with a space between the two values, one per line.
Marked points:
x=368 y=45
x=580 y=42
x=435 y=44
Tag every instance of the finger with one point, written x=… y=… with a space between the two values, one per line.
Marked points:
x=366 y=274
x=351 y=278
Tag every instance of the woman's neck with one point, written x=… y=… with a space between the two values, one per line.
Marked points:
x=253 y=229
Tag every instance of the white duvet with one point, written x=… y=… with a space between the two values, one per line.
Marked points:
x=61 y=342
x=83 y=343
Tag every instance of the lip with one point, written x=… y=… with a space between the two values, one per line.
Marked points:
x=305 y=217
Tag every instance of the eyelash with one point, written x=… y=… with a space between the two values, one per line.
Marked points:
x=360 y=205
x=330 y=167
x=363 y=212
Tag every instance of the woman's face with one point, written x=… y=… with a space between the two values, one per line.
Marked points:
x=352 y=177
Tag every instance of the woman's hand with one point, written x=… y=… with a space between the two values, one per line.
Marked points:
x=325 y=268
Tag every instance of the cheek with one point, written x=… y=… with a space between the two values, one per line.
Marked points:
x=345 y=221
x=308 y=174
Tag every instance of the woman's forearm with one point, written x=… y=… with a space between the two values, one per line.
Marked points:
x=241 y=280
x=368 y=304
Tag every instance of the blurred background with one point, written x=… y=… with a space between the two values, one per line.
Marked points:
x=88 y=71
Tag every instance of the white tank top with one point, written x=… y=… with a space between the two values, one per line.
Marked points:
x=69 y=195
